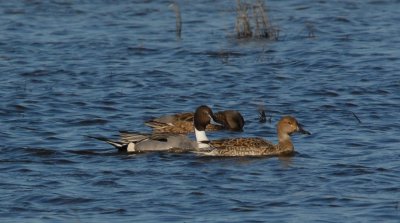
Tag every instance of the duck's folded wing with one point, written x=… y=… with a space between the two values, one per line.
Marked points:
x=127 y=137
x=240 y=147
x=171 y=119
x=184 y=117
x=137 y=136
x=163 y=136
x=157 y=124
x=240 y=142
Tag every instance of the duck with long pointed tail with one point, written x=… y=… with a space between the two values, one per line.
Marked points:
x=258 y=146
x=138 y=142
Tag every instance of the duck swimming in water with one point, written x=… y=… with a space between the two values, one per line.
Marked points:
x=141 y=142
x=183 y=122
x=258 y=146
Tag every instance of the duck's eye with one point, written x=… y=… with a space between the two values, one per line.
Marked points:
x=289 y=122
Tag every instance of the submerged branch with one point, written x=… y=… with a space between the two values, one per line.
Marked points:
x=359 y=121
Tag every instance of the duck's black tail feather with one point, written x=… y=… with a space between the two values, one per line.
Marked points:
x=119 y=145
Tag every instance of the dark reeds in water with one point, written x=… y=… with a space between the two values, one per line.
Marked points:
x=242 y=26
x=177 y=11
x=262 y=118
x=263 y=27
x=355 y=116
x=310 y=30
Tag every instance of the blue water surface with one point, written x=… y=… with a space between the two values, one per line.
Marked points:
x=69 y=69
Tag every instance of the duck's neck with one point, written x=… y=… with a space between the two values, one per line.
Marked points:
x=201 y=138
x=285 y=143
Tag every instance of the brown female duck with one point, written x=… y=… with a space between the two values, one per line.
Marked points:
x=183 y=123
x=258 y=146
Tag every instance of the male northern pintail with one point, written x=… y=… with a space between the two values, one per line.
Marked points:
x=138 y=142
x=258 y=146
x=183 y=122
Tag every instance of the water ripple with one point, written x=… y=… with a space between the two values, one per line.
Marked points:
x=94 y=68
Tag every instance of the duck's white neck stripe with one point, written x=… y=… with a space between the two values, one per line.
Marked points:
x=200 y=135
x=201 y=138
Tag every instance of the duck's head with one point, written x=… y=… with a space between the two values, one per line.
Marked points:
x=230 y=119
x=289 y=125
x=202 y=117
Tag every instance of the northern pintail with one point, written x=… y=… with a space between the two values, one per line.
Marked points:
x=183 y=122
x=139 y=142
x=258 y=146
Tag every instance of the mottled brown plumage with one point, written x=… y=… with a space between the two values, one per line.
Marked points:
x=247 y=147
x=258 y=146
x=183 y=123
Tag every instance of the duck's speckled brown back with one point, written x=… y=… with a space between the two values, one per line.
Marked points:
x=246 y=147
x=183 y=123
x=183 y=127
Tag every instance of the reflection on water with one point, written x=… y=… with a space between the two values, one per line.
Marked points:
x=285 y=161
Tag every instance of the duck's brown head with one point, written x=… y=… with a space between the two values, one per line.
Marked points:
x=230 y=119
x=289 y=125
x=202 y=117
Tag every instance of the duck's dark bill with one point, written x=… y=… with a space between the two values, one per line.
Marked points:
x=302 y=130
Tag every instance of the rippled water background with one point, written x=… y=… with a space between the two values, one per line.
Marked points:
x=75 y=68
